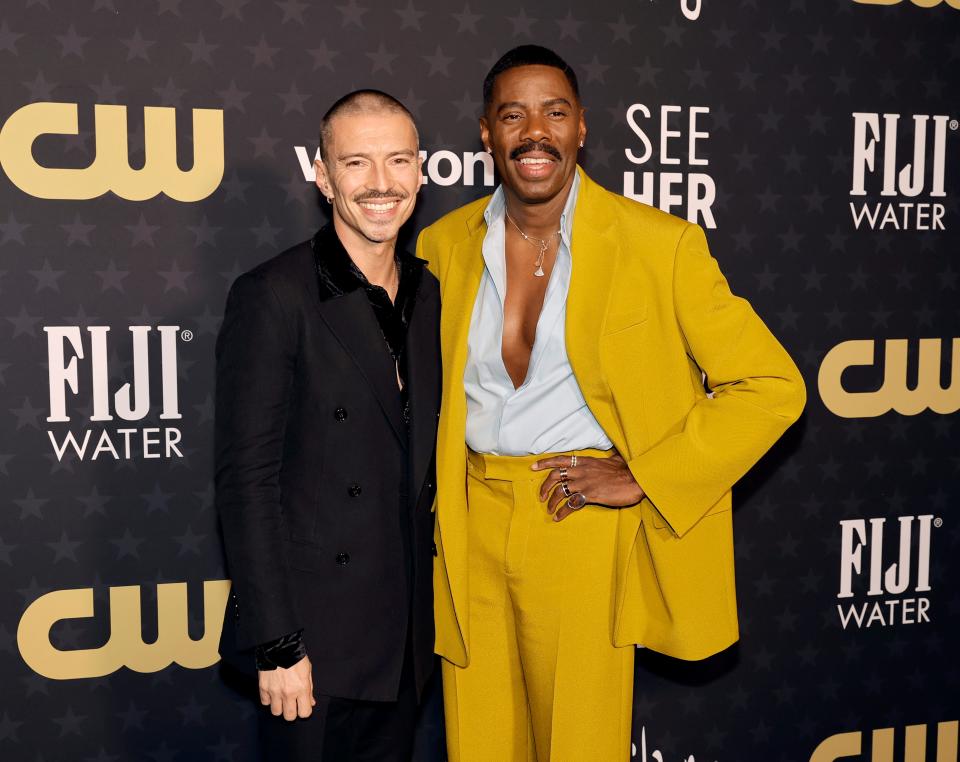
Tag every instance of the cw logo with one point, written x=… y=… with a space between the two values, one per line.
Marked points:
x=893 y=393
x=845 y=745
x=921 y=3
x=111 y=170
x=125 y=646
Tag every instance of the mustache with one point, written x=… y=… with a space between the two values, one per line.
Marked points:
x=375 y=195
x=519 y=151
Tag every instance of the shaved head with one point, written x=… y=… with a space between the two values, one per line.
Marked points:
x=359 y=102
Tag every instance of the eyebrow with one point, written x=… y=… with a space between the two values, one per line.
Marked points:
x=544 y=104
x=360 y=155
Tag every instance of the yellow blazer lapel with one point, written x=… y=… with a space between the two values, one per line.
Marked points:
x=458 y=294
x=595 y=250
x=459 y=291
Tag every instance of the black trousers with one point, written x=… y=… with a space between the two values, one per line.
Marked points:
x=346 y=730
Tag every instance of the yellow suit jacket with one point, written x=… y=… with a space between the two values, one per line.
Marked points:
x=650 y=323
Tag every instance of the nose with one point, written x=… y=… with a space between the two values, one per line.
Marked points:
x=535 y=128
x=380 y=177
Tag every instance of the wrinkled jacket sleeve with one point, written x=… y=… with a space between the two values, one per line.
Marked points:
x=255 y=361
x=757 y=393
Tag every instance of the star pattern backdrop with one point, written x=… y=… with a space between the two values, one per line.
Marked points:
x=755 y=119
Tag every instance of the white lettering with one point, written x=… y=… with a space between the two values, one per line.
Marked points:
x=70 y=440
x=433 y=168
x=151 y=438
x=470 y=160
x=696 y=135
x=60 y=372
x=141 y=380
x=666 y=133
x=850 y=554
x=99 y=376
x=122 y=444
x=104 y=445
x=170 y=445
x=909 y=180
x=442 y=167
x=168 y=372
x=638 y=131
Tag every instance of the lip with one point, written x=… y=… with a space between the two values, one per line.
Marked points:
x=380 y=209
x=537 y=166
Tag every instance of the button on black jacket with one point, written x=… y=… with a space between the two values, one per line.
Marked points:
x=310 y=450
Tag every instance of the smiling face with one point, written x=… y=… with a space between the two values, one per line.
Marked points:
x=533 y=127
x=372 y=173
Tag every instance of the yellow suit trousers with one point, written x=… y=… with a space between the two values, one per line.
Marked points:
x=544 y=682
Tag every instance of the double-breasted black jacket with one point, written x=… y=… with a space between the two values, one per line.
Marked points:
x=313 y=457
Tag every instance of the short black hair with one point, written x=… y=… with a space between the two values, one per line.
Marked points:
x=527 y=55
x=359 y=102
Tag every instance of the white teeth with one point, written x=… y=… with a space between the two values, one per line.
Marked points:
x=535 y=161
x=380 y=207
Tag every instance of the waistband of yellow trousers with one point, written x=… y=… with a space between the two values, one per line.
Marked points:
x=516 y=468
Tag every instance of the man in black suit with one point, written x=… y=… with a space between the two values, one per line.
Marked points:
x=328 y=386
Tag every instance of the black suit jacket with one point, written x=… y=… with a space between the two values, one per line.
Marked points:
x=311 y=448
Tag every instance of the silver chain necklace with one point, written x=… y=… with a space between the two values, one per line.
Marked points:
x=541 y=243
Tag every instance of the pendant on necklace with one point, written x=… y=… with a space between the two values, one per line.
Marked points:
x=539 y=243
x=538 y=272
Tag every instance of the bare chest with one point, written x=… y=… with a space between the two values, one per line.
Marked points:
x=523 y=304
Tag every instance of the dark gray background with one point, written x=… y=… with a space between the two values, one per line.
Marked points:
x=781 y=81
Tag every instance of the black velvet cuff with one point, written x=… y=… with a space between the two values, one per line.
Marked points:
x=283 y=652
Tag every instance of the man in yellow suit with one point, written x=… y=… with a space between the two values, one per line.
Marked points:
x=602 y=392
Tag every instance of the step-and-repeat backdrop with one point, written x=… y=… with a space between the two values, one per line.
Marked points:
x=152 y=151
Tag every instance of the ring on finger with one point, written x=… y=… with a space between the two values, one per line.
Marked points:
x=563 y=474
x=565 y=488
x=577 y=501
x=573 y=461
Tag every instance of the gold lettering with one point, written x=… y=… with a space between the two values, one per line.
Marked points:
x=125 y=646
x=33 y=637
x=882 y=745
x=836 y=747
x=920 y=3
x=893 y=394
x=110 y=169
x=837 y=399
x=947 y=741
x=914 y=747
x=938 y=399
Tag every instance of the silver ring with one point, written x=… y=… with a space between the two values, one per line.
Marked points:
x=565 y=488
x=577 y=501
x=563 y=474
x=573 y=461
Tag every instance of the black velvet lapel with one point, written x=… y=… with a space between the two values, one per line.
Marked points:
x=348 y=313
x=423 y=369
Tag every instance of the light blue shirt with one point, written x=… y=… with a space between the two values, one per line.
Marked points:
x=547 y=413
